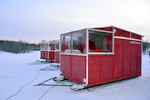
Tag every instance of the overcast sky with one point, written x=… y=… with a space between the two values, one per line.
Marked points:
x=35 y=20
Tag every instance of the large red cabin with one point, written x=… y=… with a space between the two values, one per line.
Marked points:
x=95 y=56
x=50 y=50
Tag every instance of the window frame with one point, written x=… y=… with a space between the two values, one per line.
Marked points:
x=87 y=43
x=67 y=51
x=72 y=51
x=101 y=53
x=57 y=45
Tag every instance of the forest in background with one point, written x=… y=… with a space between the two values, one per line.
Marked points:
x=146 y=47
x=18 y=46
x=25 y=47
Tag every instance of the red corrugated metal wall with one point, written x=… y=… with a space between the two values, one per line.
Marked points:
x=122 y=33
x=73 y=67
x=66 y=65
x=44 y=55
x=135 y=36
x=41 y=54
x=125 y=63
x=105 y=28
x=51 y=55
x=100 y=69
x=56 y=56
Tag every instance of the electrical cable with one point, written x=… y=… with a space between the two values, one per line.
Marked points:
x=52 y=85
x=47 y=91
x=24 y=86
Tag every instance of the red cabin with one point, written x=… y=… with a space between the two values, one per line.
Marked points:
x=95 y=56
x=50 y=50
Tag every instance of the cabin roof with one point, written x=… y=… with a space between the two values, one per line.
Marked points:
x=120 y=29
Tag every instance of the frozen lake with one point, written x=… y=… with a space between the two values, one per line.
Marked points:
x=18 y=74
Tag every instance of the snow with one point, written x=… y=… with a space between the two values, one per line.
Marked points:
x=18 y=75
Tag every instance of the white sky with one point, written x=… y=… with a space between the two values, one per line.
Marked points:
x=34 y=20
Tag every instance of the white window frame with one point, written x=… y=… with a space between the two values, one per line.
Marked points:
x=101 y=53
x=71 y=51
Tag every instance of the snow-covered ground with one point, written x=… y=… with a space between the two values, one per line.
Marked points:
x=18 y=74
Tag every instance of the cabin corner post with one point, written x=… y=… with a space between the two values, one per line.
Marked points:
x=87 y=50
x=113 y=41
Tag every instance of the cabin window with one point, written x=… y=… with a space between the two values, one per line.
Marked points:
x=52 y=46
x=79 y=42
x=100 y=41
x=74 y=42
x=46 y=47
x=57 y=46
x=66 y=43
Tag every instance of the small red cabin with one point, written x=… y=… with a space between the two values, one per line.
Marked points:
x=50 y=50
x=95 y=56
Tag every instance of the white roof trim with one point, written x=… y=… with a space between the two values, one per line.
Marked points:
x=120 y=37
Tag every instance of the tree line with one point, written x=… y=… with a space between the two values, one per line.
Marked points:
x=24 y=47
x=17 y=46
x=146 y=47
